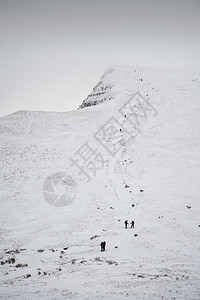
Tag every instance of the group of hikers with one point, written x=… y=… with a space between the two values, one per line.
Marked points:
x=132 y=224
x=103 y=244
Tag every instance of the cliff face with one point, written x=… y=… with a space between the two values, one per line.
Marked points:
x=102 y=92
x=112 y=83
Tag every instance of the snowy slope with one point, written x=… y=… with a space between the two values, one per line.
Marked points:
x=159 y=258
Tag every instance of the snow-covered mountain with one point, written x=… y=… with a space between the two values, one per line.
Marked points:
x=70 y=180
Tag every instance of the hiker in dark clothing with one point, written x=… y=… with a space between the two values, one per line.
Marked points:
x=132 y=224
x=126 y=223
x=103 y=245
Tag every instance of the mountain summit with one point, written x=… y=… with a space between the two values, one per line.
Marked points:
x=115 y=80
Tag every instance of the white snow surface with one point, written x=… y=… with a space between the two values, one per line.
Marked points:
x=160 y=257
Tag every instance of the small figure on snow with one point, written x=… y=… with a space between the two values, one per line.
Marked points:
x=132 y=224
x=126 y=223
x=103 y=245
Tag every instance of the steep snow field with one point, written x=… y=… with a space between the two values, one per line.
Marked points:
x=153 y=179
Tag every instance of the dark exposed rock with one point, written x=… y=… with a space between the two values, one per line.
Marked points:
x=8 y=261
x=12 y=251
x=94 y=237
x=98 y=259
x=110 y=262
x=21 y=265
x=73 y=261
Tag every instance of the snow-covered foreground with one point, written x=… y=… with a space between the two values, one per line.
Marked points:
x=50 y=252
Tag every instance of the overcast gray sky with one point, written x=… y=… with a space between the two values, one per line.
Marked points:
x=52 y=52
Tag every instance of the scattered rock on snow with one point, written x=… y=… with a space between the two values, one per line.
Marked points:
x=8 y=261
x=94 y=237
x=73 y=261
x=6 y=273
x=21 y=265
x=110 y=262
x=98 y=259
x=12 y=251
